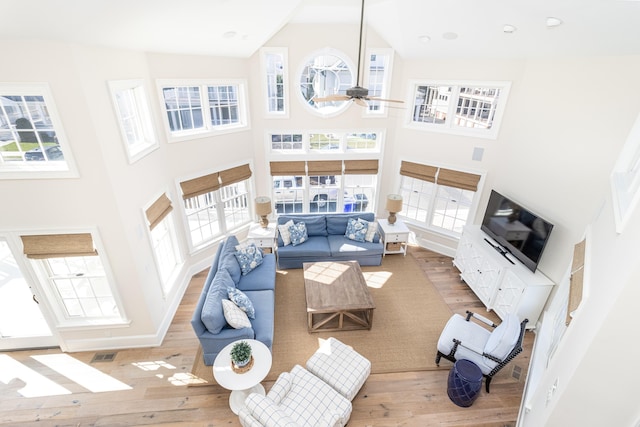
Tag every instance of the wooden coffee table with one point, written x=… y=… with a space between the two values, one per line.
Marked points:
x=337 y=295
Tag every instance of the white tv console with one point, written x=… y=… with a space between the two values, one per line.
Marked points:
x=502 y=286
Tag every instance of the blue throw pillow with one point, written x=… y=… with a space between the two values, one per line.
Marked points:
x=356 y=230
x=298 y=232
x=249 y=257
x=242 y=301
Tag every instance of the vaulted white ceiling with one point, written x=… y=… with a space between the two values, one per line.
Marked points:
x=414 y=28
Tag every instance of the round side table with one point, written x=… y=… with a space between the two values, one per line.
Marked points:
x=464 y=383
x=241 y=385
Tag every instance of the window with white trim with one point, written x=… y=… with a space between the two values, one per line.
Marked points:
x=437 y=198
x=378 y=78
x=31 y=135
x=203 y=108
x=274 y=70
x=334 y=142
x=625 y=178
x=467 y=108
x=216 y=203
x=74 y=278
x=164 y=240
x=134 y=117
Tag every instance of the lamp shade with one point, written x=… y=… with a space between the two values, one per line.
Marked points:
x=394 y=203
x=263 y=205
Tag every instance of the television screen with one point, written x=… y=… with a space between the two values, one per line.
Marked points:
x=518 y=230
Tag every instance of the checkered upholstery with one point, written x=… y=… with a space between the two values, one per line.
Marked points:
x=297 y=398
x=340 y=366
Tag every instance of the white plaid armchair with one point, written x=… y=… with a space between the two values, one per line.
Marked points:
x=297 y=399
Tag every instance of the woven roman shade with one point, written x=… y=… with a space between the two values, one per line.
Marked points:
x=324 y=167
x=576 y=280
x=361 y=167
x=158 y=211
x=418 y=171
x=457 y=179
x=201 y=185
x=233 y=175
x=58 y=245
x=287 y=168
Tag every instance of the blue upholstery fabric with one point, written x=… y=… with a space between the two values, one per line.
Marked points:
x=212 y=314
x=262 y=278
x=341 y=245
x=264 y=303
x=315 y=246
x=228 y=258
x=298 y=233
x=316 y=224
x=249 y=257
x=240 y=299
x=356 y=230
x=337 y=224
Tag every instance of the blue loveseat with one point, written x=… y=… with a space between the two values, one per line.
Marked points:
x=327 y=241
x=258 y=285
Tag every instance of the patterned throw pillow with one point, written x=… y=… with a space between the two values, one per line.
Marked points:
x=249 y=257
x=235 y=317
x=242 y=301
x=298 y=233
x=372 y=229
x=356 y=230
x=284 y=232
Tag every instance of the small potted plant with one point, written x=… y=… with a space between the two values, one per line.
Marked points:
x=240 y=354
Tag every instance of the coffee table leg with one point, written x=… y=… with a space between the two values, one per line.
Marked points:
x=237 y=397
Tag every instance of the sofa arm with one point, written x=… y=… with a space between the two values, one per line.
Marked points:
x=216 y=342
x=247 y=420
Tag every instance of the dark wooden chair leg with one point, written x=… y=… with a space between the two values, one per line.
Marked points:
x=487 y=382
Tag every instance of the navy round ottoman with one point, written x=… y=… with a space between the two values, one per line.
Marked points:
x=465 y=381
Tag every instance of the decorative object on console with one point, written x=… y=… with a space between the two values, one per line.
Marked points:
x=240 y=354
x=263 y=208
x=394 y=205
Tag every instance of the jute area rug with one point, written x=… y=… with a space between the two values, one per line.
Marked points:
x=407 y=321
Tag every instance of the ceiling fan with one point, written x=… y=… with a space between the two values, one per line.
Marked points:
x=359 y=94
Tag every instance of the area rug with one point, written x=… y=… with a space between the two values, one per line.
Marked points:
x=407 y=321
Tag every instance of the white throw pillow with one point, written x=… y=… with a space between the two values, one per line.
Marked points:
x=285 y=233
x=235 y=317
x=372 y=229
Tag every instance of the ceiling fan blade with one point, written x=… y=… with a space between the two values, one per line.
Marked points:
x=332 y=98
x=375 y=98
x=361 y=102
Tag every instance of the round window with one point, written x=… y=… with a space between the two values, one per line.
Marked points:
x=325 y=74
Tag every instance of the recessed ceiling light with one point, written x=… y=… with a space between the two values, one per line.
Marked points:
x=508 y=28
x=229 y=34
x=424 y=39
x=449 y=36
x=553 y=22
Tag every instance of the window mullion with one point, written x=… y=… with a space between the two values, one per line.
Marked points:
x=453 y=106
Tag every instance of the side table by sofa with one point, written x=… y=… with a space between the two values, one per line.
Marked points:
x=242 y=384
x=264 y=238
x=395 y=237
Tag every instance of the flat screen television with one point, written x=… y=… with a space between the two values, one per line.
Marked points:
x=519 y=231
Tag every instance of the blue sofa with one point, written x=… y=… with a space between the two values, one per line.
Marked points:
x=258 y=285
x=327 y=241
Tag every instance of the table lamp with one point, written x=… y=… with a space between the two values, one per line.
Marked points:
x=263 y=208
x=394 y=205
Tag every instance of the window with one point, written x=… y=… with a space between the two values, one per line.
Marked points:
x=330 y=186
x=324 y=74
x=369 y=141
x=31 y=135
x=625 y=178
x=378 y=78
x=164 y=240
x=216 y=203
x=437 y=198
x=203 y=108
x=274 y=68
x=76 y=279
x=468 y=108
x=132 y=108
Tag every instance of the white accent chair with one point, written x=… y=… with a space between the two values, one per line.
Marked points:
x=297 y=399
x=340 y=366
x=491 y=350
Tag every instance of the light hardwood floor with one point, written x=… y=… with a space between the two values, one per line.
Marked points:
x=158 y=395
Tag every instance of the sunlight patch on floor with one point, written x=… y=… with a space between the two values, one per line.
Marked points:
x=377 y=279
x=36 y=385
x=83 y=374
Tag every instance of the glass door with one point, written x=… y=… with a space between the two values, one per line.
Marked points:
x=22 y=323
